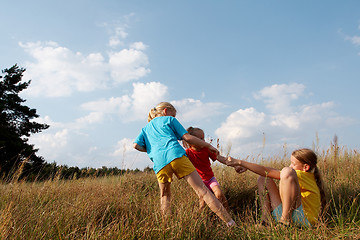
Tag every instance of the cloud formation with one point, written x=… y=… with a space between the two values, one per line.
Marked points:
x=58 y=71
x=278 y=97
x=284 y=120
x=355 y=40
x=124 y=151
x=128 y=64
x=245 y=130
x=241 y=124
x=129 y=107
x=190 y=109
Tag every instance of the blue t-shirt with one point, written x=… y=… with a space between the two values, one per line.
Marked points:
x=160 y=138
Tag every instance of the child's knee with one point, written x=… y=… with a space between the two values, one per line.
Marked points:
x=219 y=195
x=287 y=173
x=202 y=191
x=165 y=190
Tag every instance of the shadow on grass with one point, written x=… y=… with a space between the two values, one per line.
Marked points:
x=240 y=202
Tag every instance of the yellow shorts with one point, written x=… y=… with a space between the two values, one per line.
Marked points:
x=181 y=167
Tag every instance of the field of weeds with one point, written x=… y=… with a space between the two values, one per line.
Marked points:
x=127 y=206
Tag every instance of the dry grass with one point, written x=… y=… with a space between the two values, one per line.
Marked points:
x=127 y=207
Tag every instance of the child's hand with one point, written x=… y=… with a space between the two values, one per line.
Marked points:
x=240 y=169
x=232 y=162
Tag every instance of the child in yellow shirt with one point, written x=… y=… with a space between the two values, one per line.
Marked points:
x=300 y=194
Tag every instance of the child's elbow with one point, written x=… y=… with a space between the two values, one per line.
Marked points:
x=135 y=145
x=139 y=147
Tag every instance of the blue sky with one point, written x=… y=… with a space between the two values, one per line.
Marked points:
x=244 y=71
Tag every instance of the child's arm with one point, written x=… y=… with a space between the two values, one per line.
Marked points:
x=221 y=159
x=198 y=142
x=256 y=168
x=239 y=169
x=139 y=147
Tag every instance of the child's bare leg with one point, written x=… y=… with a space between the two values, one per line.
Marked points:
x=269 y=197
x=220 y=195
x=203 y=192
x=289 y=192
x=201 y=203
x=165 y=197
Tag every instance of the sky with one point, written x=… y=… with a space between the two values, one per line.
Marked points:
x=264 y=77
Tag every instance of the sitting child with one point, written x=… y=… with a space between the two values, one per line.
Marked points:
x=300 y=194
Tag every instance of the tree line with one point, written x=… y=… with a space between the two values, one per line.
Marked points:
x=52 y=171
x=18 y=158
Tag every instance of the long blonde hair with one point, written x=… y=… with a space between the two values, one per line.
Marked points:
x=309 y=157
x=158 y=110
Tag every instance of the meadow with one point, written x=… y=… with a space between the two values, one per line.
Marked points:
x=127 y=206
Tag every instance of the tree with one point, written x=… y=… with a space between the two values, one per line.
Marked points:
x=16 y=125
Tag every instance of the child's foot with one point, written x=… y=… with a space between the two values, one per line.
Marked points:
x=283 y=224
x=231 y=224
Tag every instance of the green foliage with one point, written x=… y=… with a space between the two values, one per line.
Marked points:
x=16 y=125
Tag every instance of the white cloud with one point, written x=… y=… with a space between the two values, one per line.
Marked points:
x=192 y=109
x=57 y=71
x=284 y=122
x=130 y=158
x=304 y=115
x=51 y=144
x=49 y=121
x=114 y=42
x=111 y=105
x=117 y=37
x=123 y=146
x=138 y=46
x=355 y=40
x=316 y=112
x=93 y=117
x=278 y=97
x=128 y=64
x=241 y=124
x=290 y=121
x=340 y=121
x=127 y=107
x=147 y=96
x=118 y=32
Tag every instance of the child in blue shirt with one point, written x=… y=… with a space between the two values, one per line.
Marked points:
x=160 y=139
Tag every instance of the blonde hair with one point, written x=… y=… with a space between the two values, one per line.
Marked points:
x=309 y=157
x=158 y=110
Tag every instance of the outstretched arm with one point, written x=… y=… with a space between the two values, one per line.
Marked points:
x=256 y=168
x=139 y=147
x=240 y=169
x=198 y=142
x=221 y=159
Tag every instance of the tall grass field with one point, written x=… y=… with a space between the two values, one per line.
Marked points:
x=128 y=206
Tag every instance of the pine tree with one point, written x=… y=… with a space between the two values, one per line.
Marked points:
x=16 y=125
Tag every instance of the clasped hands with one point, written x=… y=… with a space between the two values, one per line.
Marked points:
x=236 y=164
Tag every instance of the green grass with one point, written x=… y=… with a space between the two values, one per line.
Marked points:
x=127 y=207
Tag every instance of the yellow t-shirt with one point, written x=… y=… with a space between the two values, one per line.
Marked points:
x=310 y=195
